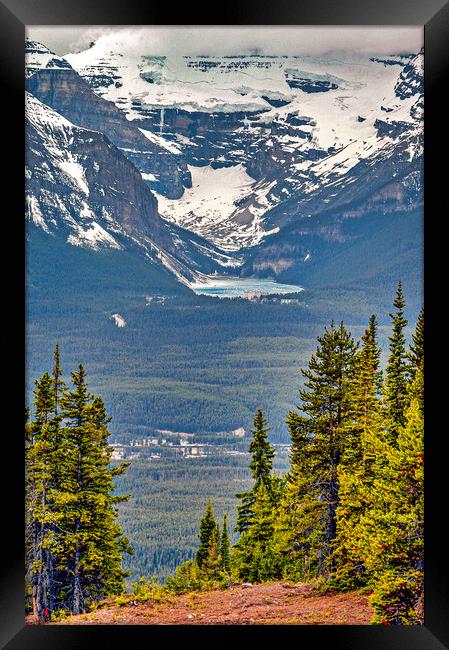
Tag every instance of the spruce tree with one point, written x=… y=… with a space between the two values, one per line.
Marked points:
x=74 y=545
x=208 y=527
x=262 y=454
x=308 y=510
x=397 y=371
x=90 y=549
x=58 y=383
x=416 y=354
x=225 y=547
x=40 y=466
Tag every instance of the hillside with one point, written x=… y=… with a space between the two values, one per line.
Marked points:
x=267 y=604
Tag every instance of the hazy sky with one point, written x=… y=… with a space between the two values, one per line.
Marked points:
x=233 y=40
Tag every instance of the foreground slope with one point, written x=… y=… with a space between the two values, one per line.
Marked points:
x=273 y=603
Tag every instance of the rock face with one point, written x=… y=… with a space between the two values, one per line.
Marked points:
x=54 y=82
x=80 y=186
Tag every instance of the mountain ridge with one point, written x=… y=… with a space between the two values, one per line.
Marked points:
x=265 y=182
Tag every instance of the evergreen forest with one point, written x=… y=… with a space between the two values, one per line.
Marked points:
x=346 y=514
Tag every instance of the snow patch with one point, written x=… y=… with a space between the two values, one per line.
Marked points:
x=33 y=212
x=94 y=237
x=148 y=177
x=211 y=207
x=119 y=320
x=161 y=142
x=76 y=172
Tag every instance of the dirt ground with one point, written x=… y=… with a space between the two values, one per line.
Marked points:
x=274 y=603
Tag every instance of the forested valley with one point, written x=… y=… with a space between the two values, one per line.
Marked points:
x=346 y=515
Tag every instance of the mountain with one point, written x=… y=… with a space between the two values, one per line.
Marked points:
x=306 y=170
x=52 y=80
x=81 y=187
x=274 y=143
x=251 y=165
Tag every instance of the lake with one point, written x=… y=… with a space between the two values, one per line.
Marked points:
x=238 y=287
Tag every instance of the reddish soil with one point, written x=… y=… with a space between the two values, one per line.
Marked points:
x=274 y=603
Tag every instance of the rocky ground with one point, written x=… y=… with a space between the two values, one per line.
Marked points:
x=274 y=603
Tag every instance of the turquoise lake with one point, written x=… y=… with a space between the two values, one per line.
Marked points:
x=236 y=287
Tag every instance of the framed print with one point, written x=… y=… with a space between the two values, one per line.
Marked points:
x=231 y=229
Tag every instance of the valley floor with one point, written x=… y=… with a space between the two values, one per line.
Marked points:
x=273 y=603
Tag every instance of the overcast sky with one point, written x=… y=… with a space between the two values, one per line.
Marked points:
x=233 y=40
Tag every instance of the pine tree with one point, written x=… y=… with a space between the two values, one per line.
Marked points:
x=40 y=466
x=394 y=526
x=355 y=470
x=308 y=510
x=208 y=527
x=397 y=371
x=262 y=454
x=225 y=547
x=90 y=548
x=416 y=354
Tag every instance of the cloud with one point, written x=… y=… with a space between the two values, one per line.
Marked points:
x=291 y=40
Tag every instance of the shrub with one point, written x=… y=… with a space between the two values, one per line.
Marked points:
x=398 y=599
x=187 y=578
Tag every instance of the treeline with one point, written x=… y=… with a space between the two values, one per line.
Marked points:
x=349 y=512
x=74 y=545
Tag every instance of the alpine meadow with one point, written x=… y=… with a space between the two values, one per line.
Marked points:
x=224 y=325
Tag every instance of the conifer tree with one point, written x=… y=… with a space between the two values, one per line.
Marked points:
x=211 y=568
x=308 y=511
x=244 y=510
x=397 y=371
x=225 y=547
x=262 y=454
x=74 y=545
x=253 y=557
x=90 y=548
x=355 y=470
x=208 y=528
x=29 y=496
x=394 y=525
x=58 y=383
x=40 y=465
x=416 y=354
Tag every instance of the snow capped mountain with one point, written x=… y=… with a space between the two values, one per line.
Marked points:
x=39 y=57
x=287 y=126
x=55 y=83
x=81 y=187
x=55 y=162
x=244 y=164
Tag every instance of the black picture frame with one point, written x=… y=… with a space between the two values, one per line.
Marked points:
x=434 y=16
